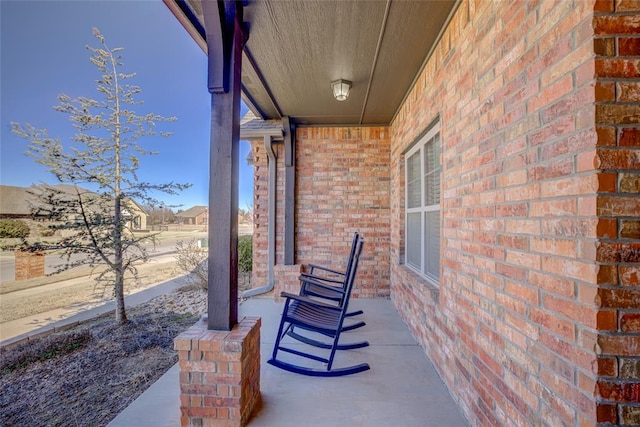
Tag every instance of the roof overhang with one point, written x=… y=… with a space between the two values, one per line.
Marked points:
x=297 y=48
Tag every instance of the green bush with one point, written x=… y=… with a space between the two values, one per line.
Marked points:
x=245 y=253
x=13 y=228
x=46 y=231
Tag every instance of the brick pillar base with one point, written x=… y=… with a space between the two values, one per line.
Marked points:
x=219 y=374
x=29 y=265
x=285 y=279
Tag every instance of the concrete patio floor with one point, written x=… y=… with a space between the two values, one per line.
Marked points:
x=400 y=389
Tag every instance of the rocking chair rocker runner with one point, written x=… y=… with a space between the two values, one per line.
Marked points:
x=325 y=319
x=329 y=284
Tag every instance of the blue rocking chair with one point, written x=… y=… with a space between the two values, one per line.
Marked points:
x=325 y=319
x=329 y=284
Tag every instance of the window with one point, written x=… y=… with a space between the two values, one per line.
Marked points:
x=422 y=168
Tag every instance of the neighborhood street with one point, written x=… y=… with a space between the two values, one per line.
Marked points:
x=28 y=309
x=34 y=303
x=166 y=244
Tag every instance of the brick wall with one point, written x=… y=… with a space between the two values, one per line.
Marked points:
x=513 y=326
x=342 y=186
x=29 y=265
x=617 y=111
x=260 y=211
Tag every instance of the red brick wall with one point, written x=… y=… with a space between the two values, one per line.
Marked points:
x=617 y=115
x=513 y=327
x=260 y=211
x=342 y=186
x=29 y=265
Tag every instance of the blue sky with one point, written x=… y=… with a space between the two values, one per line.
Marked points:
x=43 y=53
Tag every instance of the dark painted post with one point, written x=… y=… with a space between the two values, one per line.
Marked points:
x=289 y=190
x=225 y=41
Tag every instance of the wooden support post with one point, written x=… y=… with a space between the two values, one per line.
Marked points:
x=220 y=367
x=225 y=41
x=289 y=190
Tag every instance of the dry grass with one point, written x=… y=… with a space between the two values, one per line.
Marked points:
x=91 y=382
x=87 y=375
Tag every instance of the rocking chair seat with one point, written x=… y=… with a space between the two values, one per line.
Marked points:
x=316 y=316
x=311 y=286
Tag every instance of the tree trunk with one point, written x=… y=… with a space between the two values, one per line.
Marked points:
x=121 y=315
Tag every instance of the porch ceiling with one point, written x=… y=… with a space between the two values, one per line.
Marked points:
x=297 y=48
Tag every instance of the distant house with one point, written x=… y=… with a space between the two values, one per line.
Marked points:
x=18 y=202
x=136 y=216
x=15 y=202
x=197 y=215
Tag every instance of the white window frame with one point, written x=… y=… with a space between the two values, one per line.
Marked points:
x=431 y=136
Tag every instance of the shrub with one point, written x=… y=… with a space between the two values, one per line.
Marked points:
x=46 y=231
x=192 y=260
x=13 y=228
x=245 y=253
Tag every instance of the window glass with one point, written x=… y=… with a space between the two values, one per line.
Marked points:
x=423 y=170
x=414 y=192
x=414 y=229
x=432 y=244
x=432 y=172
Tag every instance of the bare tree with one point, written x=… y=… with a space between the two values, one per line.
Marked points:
x=104 y=154
x=159 y=214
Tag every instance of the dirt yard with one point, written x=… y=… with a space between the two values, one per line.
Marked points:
x=86 y=376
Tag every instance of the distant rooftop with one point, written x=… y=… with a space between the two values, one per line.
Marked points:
x=192 y=212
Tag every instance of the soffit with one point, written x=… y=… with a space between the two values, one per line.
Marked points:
x=297 y=48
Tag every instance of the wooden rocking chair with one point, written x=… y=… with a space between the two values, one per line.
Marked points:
x=330 y=284
x=322 y=318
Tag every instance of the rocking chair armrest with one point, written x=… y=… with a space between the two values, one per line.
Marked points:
x=304 y=276
x=319 y=267
x=307 y=300
x=309 y=281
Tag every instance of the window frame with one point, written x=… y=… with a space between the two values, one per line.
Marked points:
x=431 y=136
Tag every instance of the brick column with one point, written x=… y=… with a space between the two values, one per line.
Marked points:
x=617 y=68
x=219 y=374
x=29 y=265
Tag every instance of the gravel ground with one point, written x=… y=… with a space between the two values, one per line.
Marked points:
x=87 y=375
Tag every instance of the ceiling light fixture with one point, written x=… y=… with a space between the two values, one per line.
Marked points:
x=341 y=89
